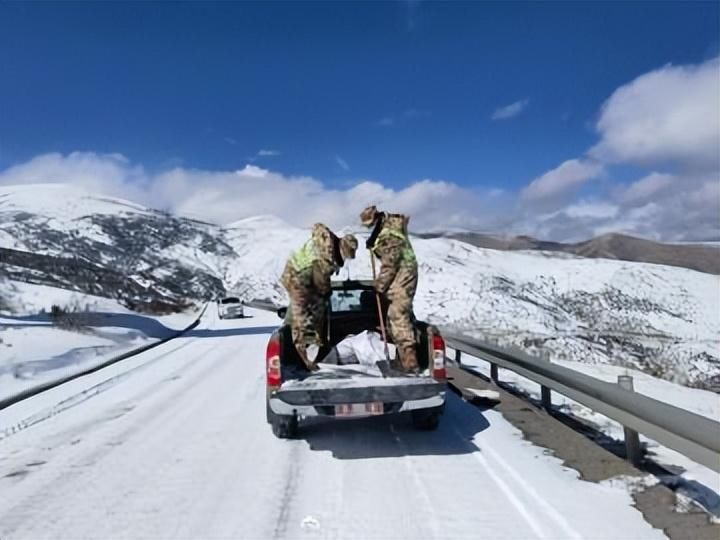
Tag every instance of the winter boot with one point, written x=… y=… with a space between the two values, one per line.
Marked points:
x=408 y=359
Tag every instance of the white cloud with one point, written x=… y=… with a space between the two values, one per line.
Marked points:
x=252 y=171
x=707 y=194
x=633 y=221
x=669 y=117
x=509 y=111
x=560 y=180
x=340 y=161
x=416 y=113
x=268 y=153
x=669 y=114
x=647 y=187
x=111 y=174
x=223 y=197
x=226 y=196
x=387 y=121
x=593 y=210
x=686 y=209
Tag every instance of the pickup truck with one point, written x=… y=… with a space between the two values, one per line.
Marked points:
x=295 y=393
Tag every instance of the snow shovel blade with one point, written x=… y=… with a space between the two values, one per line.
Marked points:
x=384 y=367
x=388 y=371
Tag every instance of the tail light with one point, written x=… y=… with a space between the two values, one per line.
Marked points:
x=438 y=358
x=272 y=360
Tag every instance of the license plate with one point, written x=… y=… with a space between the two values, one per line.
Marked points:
x=359 y=409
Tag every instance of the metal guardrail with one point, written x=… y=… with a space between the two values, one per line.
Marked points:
x=693 y=435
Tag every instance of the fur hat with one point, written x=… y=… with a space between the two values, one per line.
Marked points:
x=369 y=215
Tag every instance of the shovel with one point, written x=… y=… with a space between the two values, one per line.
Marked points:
x=385 y=368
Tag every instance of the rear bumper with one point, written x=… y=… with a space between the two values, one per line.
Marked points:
x=322 y=402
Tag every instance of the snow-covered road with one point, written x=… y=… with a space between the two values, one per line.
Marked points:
x=173 y=443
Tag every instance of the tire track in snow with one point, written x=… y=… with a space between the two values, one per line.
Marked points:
x=520 y=485
x=411 y=468
x=504 y=487
x=510 y=496
x=43 y=497
x=289 y=490
x=549 y=510
x=213 y=420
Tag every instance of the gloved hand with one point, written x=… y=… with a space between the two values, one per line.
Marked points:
x=382 y=293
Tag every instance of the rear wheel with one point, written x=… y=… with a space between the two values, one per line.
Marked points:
x=268 y=413
x=426 y=419
x=283 y=426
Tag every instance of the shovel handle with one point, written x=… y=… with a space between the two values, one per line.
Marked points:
x=379 y=307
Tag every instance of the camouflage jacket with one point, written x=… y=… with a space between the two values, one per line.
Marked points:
x=392 y=246
x=316 y=260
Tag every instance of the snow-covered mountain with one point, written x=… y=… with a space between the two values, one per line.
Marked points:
x=660 y=319
x=60 y=235
x=702 y=256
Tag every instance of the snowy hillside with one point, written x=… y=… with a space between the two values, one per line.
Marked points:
x=659 y=319
x=662 y=320
x=262 y=245
x=104 y=246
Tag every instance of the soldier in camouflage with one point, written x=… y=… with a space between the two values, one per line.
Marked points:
x=397 y=279
x=307 y=281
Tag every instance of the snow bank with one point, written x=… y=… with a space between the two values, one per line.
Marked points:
x=699 y=478
x=34 y=349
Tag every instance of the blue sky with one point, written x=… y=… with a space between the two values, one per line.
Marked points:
x=389 y=91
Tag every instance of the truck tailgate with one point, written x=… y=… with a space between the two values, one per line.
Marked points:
x=342 y=385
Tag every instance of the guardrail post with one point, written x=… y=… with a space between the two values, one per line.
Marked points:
x=545 y=398
x=633 y=450
x=494 y=373
x=458 y=355
x=545 y=394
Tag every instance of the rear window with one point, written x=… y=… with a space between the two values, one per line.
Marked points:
x=353 y=300
x=231 y=300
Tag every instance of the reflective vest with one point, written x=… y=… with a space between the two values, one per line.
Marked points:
x=303 y=259
x=408 y=255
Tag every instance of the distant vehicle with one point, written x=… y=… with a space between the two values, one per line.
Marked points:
x=294 y=392
x=230 y=308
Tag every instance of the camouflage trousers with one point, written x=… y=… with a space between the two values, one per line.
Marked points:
x=306 y=313
x=400 y=314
